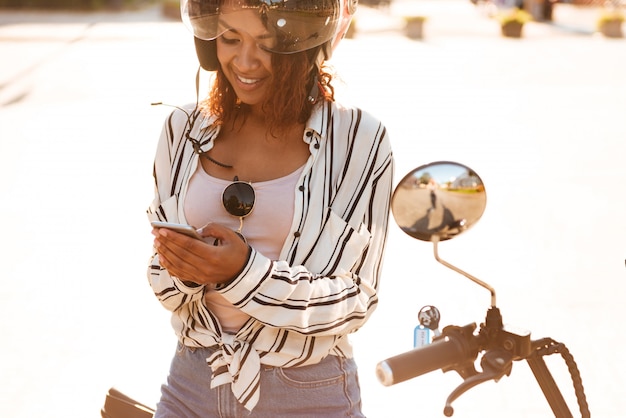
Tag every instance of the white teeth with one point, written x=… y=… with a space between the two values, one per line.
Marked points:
x=248 y=80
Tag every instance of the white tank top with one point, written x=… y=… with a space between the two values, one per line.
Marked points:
x=265 y=228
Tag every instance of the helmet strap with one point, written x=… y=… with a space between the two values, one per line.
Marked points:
x=314 y=93
x=318 y=56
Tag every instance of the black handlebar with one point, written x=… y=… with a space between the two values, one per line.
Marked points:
x=458 y=347
x=455 y=349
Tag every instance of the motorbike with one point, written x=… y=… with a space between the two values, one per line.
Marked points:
x=120 y=405
x=434 y=203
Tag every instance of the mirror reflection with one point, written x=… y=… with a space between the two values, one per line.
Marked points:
x=439 y=199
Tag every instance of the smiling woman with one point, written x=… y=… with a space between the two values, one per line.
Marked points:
x=268 y=316
x=242 y=51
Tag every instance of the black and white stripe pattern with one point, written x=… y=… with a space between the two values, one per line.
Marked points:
x=324 y=286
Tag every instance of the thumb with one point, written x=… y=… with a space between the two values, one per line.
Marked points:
x=214 y=230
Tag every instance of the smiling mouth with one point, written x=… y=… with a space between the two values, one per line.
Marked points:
x=248 y=80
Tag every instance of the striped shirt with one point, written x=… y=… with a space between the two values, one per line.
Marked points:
x=324 y=284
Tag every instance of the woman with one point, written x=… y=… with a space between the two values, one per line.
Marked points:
x=290 y=192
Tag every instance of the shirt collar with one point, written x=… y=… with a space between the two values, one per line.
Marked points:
x=315 y=129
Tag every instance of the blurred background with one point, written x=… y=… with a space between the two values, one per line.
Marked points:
x=539 y=115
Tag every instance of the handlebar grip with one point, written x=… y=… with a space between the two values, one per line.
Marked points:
x=443 y=353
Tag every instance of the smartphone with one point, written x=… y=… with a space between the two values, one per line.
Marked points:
x=188 y=230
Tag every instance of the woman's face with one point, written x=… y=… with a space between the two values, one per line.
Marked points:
x=245 y=64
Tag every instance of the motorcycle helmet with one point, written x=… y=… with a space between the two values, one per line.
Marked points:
x=293 y=25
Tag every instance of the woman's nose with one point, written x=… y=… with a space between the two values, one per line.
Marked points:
x=248 y=55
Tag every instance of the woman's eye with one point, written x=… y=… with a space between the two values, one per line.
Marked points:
x=228 y=41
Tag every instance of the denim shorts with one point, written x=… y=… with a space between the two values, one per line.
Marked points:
x=327 y=389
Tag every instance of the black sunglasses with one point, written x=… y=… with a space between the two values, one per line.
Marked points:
x=238 y=200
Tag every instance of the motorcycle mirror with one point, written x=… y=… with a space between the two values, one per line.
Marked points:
x=438 y=201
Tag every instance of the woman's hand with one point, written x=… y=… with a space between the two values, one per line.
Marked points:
x=217 y=259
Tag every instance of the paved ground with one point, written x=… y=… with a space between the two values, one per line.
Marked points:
x=540 y=119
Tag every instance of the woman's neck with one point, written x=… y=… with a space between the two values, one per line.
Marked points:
x=249 y=150
x=252 y=124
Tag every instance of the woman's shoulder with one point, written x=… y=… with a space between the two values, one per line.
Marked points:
x=359 y=121
x=349 y=112
x=190 y=118
x=183 y=114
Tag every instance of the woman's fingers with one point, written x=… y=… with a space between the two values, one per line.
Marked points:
x=202 y=262
x=181 y=255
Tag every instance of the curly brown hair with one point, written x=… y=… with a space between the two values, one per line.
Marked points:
x=288 y=103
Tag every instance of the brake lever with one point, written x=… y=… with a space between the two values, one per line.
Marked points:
x=495 y=364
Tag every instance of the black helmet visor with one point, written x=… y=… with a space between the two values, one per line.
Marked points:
x=291 y=25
